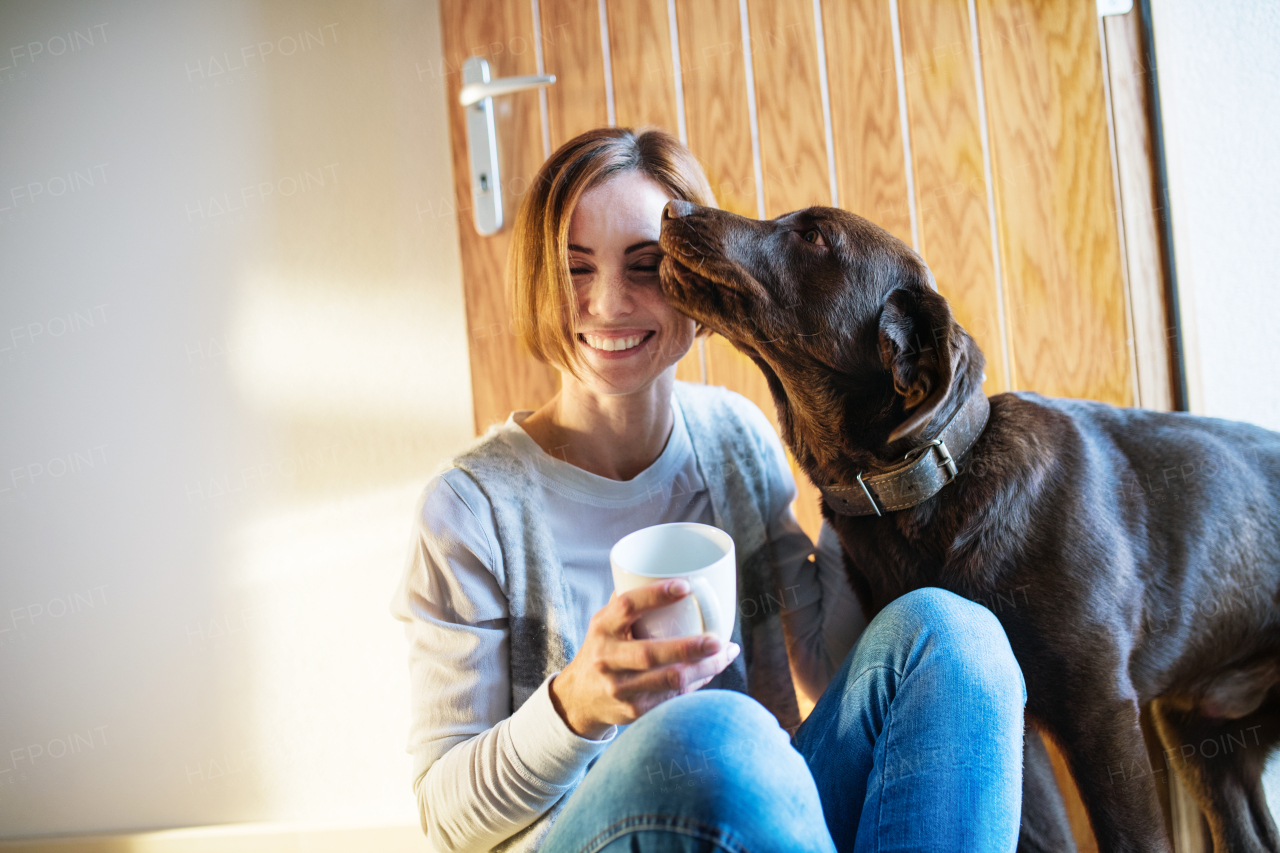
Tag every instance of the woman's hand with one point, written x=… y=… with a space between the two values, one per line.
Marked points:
x=615 y=678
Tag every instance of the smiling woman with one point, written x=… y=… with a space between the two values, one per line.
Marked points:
x=589 y=224
x=603 y=265
x=584 y=278
x=525 y=668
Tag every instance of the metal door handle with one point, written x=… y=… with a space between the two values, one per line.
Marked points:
x=473 y=92
x=477 y=95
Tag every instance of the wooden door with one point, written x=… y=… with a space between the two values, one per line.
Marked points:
x=1006 y=140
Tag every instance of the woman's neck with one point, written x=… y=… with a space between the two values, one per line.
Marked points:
x=611 y=435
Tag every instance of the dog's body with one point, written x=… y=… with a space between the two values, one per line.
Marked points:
x=1133 y=557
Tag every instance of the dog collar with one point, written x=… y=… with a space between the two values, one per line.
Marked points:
x=920 y=477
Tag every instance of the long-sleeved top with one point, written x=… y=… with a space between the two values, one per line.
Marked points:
x=481 y=772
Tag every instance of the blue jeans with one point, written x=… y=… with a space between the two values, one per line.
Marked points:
x=916 y=744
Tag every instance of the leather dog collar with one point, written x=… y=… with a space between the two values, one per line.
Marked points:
x=919 y=478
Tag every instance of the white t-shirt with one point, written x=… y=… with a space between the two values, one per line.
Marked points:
x=482 y=773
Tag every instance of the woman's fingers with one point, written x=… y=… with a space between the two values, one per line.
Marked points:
x=698 y=685
x=639 y=674
x=675 y=677
x=650 y=654
x=626 y=607
x=712 y=666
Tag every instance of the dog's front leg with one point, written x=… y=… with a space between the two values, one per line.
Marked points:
x=1104 y=747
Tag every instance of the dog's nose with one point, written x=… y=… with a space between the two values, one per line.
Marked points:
x=677 y=209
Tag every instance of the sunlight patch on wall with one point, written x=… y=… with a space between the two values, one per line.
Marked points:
x=327 y=653
x=333 y=348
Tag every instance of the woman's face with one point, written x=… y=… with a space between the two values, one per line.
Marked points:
x=627 y=330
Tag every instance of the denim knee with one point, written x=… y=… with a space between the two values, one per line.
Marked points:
x=726 y=733
x=737 y=714
x=963 y=641
x=709 y=770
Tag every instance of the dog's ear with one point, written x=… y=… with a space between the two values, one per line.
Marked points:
x=916 y=331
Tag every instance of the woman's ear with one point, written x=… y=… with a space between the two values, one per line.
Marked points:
x=916 y=336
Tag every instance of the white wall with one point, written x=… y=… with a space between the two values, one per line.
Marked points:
x=229 y=657
x=1219 y=73
x=231 y=350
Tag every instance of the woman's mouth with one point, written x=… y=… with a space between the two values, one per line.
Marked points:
x=616 y=347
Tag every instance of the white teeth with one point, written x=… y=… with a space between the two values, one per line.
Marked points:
x=614 y=344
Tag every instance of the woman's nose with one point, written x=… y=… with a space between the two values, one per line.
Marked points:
x=609 y=295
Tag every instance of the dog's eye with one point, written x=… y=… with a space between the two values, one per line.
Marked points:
x=813 y=235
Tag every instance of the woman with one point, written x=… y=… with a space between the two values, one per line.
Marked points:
x=524 y=672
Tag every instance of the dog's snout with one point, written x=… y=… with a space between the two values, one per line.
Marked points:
x=677 y=209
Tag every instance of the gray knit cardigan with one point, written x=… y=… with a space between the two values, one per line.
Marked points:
x=544 y=633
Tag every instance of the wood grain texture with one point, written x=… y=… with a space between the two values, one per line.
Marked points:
x=793 y=148
x=713 y=76
x=1141 y=209
x=644 y=90
x=714 y=81
x=572 y=50
x=504 y=376
x=950 y=184
x=1050 y=153
x=644 y=81
x=793 y=152
x=871 y=175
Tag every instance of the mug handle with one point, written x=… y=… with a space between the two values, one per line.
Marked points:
x=708 y=605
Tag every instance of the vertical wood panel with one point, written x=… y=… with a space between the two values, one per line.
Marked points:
x=950 y=186
x=1051 y=159
x=713 y=77
x=1060 y=253
x=644 y=90
x=871 y=176
x=718 y=124
x=715 y=99
x=644 y=82
x=571 y=50
x=1141 y=209
x=503 y=376
x=793 y=152
x=793 y=157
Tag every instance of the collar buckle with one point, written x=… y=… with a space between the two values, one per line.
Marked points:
x=870 y=498
x=947 y=461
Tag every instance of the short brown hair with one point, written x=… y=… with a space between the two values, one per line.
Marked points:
x=538 y=266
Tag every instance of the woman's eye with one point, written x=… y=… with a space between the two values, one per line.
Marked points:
x=579 y=270
x=814 y=236
x=647 y=265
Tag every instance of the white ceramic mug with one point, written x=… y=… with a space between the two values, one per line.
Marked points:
x=701 y=554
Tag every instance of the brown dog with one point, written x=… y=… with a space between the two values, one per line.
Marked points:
x=1132 y=556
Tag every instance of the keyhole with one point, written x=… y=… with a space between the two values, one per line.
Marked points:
x=484 y=182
